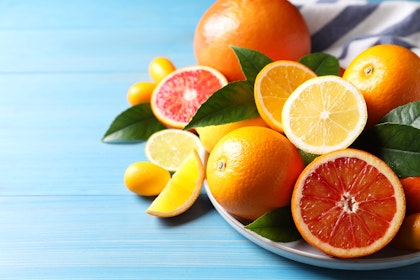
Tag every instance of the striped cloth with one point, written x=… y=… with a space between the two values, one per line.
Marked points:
x=345 y=28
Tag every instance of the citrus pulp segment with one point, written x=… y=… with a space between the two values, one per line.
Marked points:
x=179 y=95
x=168 y=148
x=274 y=84
x=182 y=189
x=324 y=114
x=348 y=203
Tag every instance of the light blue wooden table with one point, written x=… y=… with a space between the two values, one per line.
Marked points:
x=65 y=67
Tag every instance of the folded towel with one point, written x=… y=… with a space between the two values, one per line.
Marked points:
x=346 y=28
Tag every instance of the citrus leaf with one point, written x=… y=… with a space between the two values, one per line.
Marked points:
x=276 y=225
x=135 y=124
x=307 y=157
x=233 y=102
x=322 y=64
x=397 y=144
x=408 y=114
x=251 y=61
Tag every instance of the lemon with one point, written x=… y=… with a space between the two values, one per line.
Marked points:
x=182 y=189
x=324 y=114
x=168 y=148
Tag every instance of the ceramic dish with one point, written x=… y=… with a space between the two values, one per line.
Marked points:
x=301 y=251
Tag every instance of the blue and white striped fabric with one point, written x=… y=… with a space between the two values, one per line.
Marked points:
x=345 y=28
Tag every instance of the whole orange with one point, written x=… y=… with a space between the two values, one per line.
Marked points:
x=252 y=170
x=388 y=77
x=210 y=135
x=273 y=27
x=408 y=237
x=411 y=187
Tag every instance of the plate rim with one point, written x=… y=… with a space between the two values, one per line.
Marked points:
x=297 y=255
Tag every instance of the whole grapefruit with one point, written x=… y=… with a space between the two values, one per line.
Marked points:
x=274 y=27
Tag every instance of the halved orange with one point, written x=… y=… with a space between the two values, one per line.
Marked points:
x=273 y=85
x=324 y=114
x=177 y=97
x=348 y=203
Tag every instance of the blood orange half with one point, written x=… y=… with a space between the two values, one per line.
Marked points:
x=348 y=203
x=177 y=97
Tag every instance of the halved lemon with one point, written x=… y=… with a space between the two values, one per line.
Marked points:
x=324 y=114
x=182 y=189
x=169 y=148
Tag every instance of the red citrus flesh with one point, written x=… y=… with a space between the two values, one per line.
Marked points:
x=177 y=98
x=348 y=204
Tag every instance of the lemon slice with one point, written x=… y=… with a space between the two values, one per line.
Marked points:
x=274 y=84
x=182 y=189
x=168 y=148
x=324 y=114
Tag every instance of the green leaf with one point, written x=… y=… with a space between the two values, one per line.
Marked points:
x=135 y=124
x=397 y=144
x=408 y=114
x=307 y=157
x=251 y=61
x=276 y=225
x=233 y=102
x=322 y=64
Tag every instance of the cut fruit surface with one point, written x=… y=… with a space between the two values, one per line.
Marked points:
x=324 y=114
x=182 y=189
x=169 y=148
x=348 y=203
x=179 y=95
x=274 y=84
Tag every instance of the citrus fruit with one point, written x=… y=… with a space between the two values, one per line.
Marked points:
x=348 y=203
x=252 y=170
x=274 y=84
x=210 y=135
x=275 y=28
x=388 y=77
x=408 y=237
x=182 y=189
x=178 y=96
x=169 y=148
x=146 y=178
x=159 y=68
x=411 y=187
x=140 y=92
x=324 y=114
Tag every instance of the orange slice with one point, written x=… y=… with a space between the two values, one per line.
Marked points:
x=324 y=114
x=348 y=203
x=177 y=97
x=182 y=189
x=273 y=85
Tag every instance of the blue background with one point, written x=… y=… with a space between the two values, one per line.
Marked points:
x=65 y=67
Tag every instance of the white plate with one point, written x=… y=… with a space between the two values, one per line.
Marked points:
x=301 y=251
